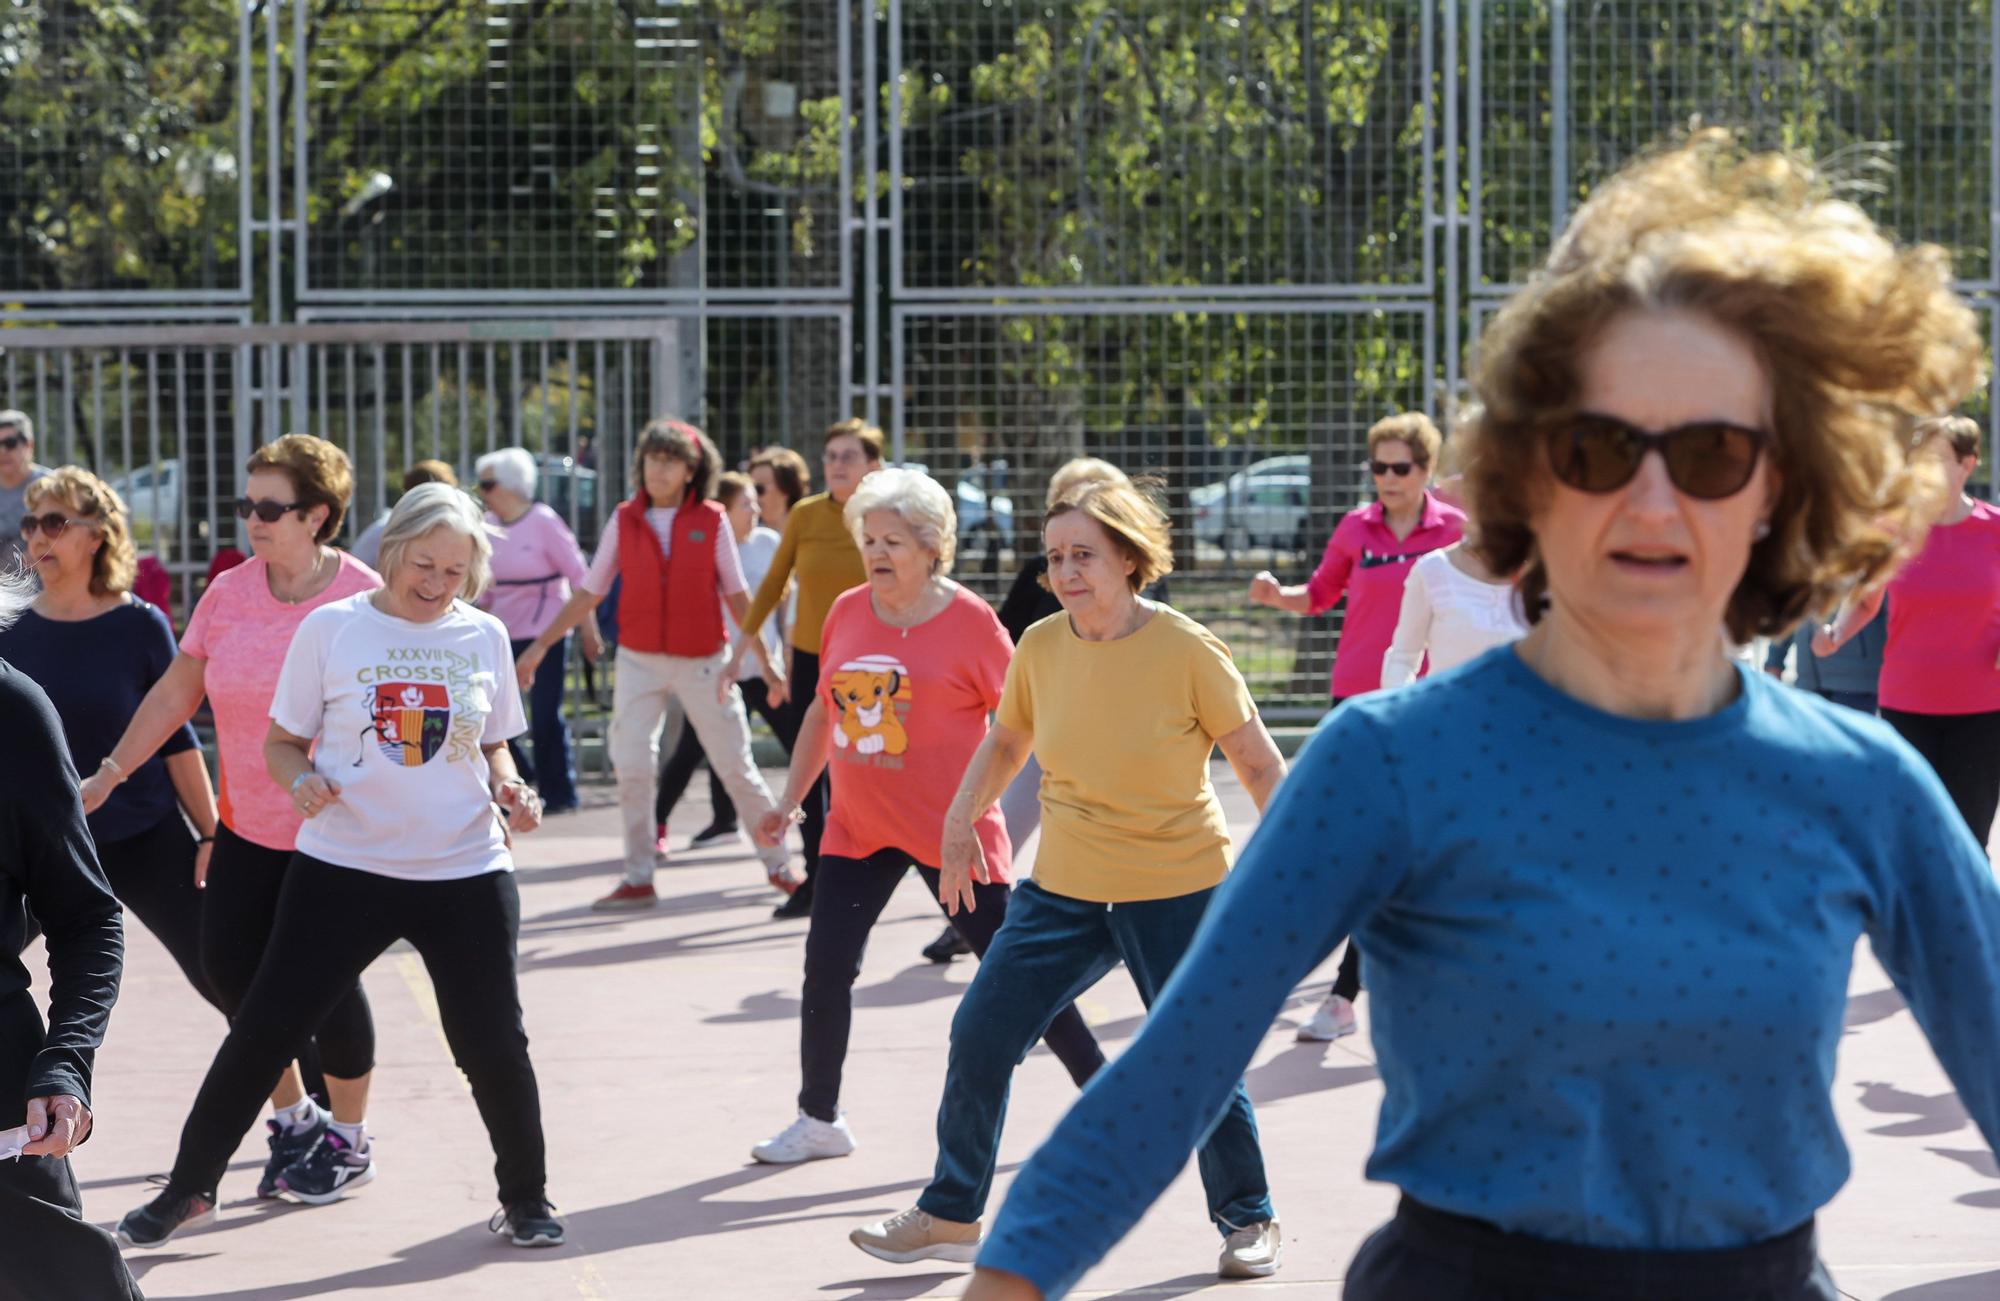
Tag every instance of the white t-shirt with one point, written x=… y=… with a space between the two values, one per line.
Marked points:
x=604 y=565
x=401 y=710
x=756 y=551
x=1450 y=614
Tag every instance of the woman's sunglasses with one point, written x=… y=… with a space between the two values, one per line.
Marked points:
x=1401 y=469
x=1707 y=459
x=267 y=510
x=488 y=485
x=51 y=524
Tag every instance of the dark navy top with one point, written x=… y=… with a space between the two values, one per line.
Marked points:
x=96 y=671
x=1608 y=959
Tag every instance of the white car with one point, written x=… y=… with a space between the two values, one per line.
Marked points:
x=1265 y=504
x=152 y=496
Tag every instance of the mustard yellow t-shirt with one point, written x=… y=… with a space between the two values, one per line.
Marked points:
x=1124 y=730
x=818 y=546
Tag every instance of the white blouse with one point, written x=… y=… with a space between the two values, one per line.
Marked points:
x=1450 y=614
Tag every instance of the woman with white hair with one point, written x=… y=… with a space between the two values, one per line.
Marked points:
x=389 y=728
x=910 y=669
x=536 y=562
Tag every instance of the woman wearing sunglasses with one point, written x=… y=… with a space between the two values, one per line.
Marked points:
x=1940 y=675
x=1368 y=559
x=97 y=650
x=1609 y=881
x=297 y=491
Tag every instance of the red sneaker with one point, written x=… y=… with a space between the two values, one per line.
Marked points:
x=626 y=898
x=779 y=873
x=660 y=839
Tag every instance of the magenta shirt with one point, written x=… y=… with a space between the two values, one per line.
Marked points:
x=535 y=564
x=1944 y=622
x=243 y=632
x=1368 y=562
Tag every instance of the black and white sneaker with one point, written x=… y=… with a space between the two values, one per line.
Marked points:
x=714 y=834
x=287 y=1149
x=528 y=1224
x=152 y=1224
x=328 y=1172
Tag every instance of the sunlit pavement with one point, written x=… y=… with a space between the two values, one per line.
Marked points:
x=666 y=1044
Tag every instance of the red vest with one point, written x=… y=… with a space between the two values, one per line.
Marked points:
x=669 y=604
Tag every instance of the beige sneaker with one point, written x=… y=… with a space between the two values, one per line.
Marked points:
x=913 y=1235
x=1252 y=1252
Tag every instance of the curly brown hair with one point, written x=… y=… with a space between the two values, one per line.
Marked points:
x=1859 y=338
x=320 y=474
x=83 y=494
x=666 y=436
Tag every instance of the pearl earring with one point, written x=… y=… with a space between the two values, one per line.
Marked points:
x=1761 y=531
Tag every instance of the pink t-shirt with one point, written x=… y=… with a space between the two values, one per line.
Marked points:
x=243 y=632
x=1944 y=622
x=535 y=563
x=908 y=707
x=1366 y=560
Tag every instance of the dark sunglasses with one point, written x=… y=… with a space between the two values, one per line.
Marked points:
x=1706 y=459
x=267 y=510
x=52 y=524
x=12 y=441
x=1401 y=469
x=488 y=485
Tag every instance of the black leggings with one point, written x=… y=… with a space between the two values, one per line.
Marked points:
x=239 y=911
x=805 y=685
x=852 y=894
x=152 y=874
x=1964 y=750
x=332 y=922
x=688 y=755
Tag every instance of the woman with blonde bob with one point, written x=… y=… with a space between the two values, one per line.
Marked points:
x=389 y=727
x=1692 y=417
x=1123 y=700
x=911 y=666
x=97 y=650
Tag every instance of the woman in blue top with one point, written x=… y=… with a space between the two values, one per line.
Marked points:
x=97 y=650
x=1609 y=861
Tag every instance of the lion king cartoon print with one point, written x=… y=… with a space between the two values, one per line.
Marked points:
x=864 y=699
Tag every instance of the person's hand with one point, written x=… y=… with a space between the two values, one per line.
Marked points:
x=531 y=659
x=202 y=853
x=1823 y=643
x=770 y=829
x=999 y=1285
x=1775 y=670
x=312 y=794
x=519 y=802
x=56 y=1124
x=963 y=862
x=1264 y=588
x=96 y=789
x=777 y=689
x=726 y=681
x=593 y=642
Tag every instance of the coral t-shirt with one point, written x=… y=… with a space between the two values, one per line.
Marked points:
x=243 y=632
x=908 y=707
x=1944 y=622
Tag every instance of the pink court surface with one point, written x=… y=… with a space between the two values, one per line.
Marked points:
x=667 y=1044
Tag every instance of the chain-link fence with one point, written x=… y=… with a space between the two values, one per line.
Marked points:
x=1210 y=241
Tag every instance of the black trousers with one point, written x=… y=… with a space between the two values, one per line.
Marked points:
x=852 y=894
x=48 y=1251
x=687 y=755
x=1964 y=750
x=1425 y=1254
x=805 y=685
x=332 y=922
x=152 y=874
x=238 y=912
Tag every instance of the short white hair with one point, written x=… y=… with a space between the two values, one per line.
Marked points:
x=424 y=510
x=17 y=593
x=921 y=502
x=12 y=419
x=513 y=468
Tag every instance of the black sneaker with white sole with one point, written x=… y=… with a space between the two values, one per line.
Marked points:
x=152 y=1224
x=287 y=1149
x=330 y=1171
x=528 y=1224
x=713 y=835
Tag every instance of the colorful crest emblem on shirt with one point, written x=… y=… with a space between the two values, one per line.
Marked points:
x=412 y=720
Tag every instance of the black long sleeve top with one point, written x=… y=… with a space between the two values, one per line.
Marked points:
x=49 y=878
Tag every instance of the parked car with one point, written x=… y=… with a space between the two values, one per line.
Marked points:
x=559 y=481
x=979 y=504
x=152 y=496
x=1264 y=504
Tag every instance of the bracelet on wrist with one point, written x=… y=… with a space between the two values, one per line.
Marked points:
x=299 y=780
x=111 y=763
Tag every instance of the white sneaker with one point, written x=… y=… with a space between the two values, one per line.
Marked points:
x=1331 y=1020
x=1253 y=1252
x=806 y=1139
x=913 y=1236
